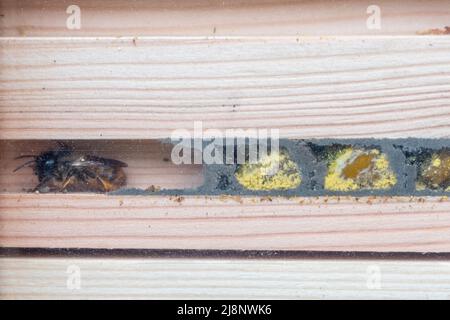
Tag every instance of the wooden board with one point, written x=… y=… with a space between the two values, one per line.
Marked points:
x=143 y=69
x=140 y=278
x=217 y=17
x=123 y=88
x=156 y=222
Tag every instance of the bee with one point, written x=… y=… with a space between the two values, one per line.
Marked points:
x=60 y=171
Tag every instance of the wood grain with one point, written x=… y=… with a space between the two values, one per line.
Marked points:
x=103 y=278
x=145 y=69
x=216 y=17
x=123 y=88
x=157 y=222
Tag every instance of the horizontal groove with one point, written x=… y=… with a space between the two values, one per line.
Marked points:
x=219 y=254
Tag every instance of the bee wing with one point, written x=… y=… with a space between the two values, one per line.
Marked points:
x=90 y=161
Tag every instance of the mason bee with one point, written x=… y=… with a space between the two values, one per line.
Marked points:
x=60 y=171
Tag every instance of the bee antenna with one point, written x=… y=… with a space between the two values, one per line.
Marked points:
x=62 y=144
x=26 y=164
x=25 y=156
x=64 y=147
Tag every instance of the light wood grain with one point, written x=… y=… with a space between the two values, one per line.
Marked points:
x=217 y=17
x=307 y=87
x=148 y=162
x=103 y=278
x=157 y=222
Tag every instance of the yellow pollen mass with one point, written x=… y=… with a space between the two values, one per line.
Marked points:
x=275 y=171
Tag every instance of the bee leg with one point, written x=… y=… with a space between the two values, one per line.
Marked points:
x=39 y=186
x=66 y=182
x=106 y=185
x=43 y=186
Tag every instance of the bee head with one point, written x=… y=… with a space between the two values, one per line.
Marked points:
x=46 y=164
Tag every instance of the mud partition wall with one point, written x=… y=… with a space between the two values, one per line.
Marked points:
x=362 y=111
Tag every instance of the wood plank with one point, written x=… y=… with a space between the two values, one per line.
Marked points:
x=123 y=88
x=217 y=17
x=141 y=278
x=156 y=222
